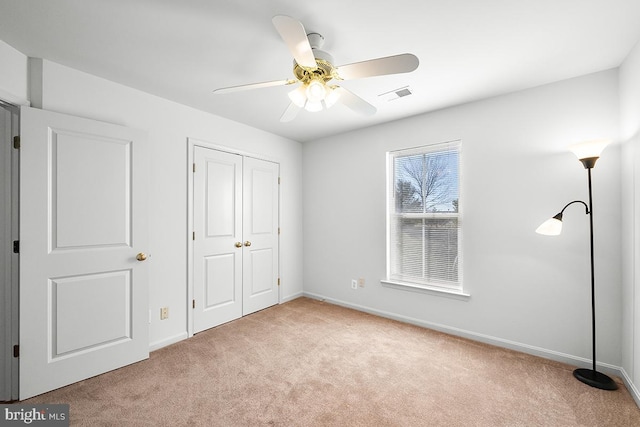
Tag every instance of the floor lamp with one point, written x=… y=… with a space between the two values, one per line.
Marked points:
x=588 y=153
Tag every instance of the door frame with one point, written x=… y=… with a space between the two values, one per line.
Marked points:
x=191 y=144
x=10 y=168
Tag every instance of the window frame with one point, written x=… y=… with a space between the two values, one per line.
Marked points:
x=394 y=280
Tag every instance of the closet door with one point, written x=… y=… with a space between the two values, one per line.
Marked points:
x=260 y=232
x=235 y=246
x=218 y=244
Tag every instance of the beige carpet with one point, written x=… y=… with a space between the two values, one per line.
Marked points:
x=308 y=363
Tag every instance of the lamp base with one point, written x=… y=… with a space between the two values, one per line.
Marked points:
x=595 y=379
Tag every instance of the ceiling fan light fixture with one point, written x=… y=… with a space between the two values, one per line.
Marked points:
x=332 y=97
x=298 y=96
x=313 y=107
x=316 y=91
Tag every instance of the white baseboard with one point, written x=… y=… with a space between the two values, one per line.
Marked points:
x=633 y=390
x=291 y=297
x=156 y=345
x=487 y=339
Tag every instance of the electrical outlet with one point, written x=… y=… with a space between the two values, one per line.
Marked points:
x=164 y=313
x=361 y=282
x=354 y=284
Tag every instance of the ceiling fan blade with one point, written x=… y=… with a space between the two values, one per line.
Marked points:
x=295 y=37
x=254 y=86
x=403 y=63
x=354 y=102
x=290 y=113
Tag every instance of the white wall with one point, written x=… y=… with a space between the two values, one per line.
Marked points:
x=630 y=137
x=169 y=125
x=528 y=291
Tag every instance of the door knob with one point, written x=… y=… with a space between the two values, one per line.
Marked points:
x=141 y=256
x=238 y=245
x=247 y=243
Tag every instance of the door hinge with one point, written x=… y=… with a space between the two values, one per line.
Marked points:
x=278 y=281
x=16 y=142
x=193 y=304
x=194 y=236
x=16 y=350
x=16 y=246
x=194 y=168
x=278 y=231
x=278 y=180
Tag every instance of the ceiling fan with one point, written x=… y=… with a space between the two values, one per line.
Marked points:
x=314 y=69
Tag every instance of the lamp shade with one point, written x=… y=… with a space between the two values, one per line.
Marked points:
x=313 y=106
x=316 y=91
x=314 y=96
x=589 y=149
x=551 y=227
x=298 y=96
x=332 y=97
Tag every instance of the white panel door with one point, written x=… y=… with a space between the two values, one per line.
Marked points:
x=235 y=247
x=260 y=232
x=217 y=248
x=83 y=293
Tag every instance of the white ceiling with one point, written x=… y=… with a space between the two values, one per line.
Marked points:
x=183 y=50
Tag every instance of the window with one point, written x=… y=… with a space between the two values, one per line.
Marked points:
x=423 y=217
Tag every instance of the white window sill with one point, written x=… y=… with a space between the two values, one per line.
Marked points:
x=425 y=289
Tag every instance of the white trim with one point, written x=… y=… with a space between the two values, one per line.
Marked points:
x=426 y=289
x=226 y=149
x=433 y=147
x=633 y=281
x=156 y=345
x=12 y=99
x=487 y=339
x=190 y=162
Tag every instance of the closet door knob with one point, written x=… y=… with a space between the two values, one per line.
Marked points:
x=247 y=243
x=238 y=245
x=141 y=256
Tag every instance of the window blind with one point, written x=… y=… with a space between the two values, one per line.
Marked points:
x=424 y=215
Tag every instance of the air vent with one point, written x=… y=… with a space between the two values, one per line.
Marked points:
x=392 y=95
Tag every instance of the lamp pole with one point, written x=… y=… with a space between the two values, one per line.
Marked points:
x=591 y=376
x=593 y=279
